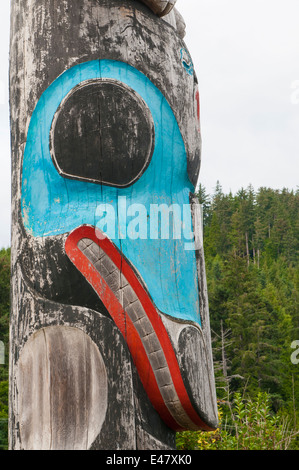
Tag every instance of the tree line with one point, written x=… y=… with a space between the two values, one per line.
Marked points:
x=251 y=247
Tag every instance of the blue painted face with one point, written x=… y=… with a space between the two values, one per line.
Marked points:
x=54 y=205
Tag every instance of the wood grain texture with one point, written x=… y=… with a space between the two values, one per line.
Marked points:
x=63 y=390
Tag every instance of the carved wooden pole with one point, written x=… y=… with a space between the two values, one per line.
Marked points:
x=110 y=336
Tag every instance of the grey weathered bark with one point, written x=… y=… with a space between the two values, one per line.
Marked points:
x=94 y=363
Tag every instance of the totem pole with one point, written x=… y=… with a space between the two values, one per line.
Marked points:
x=110 y=336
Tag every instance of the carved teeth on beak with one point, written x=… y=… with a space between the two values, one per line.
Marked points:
x=137 y=318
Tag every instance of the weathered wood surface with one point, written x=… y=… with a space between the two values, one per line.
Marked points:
x=59 y=359
x=102 y=349
x=2 y=353
x=160 y=7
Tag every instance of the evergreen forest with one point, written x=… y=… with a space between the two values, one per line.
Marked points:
x=251 y=241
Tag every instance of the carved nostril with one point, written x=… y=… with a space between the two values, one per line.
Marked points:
x=103 y=132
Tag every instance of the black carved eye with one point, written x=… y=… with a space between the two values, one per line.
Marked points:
x=103 y=132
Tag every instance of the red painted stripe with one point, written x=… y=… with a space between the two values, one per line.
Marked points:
x=125 y=325
x=197 y=98
x=127 y=271
x=158 y=326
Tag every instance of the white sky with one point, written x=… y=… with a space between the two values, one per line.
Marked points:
x=246 y=55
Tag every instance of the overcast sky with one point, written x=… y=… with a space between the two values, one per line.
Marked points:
x=246 y=55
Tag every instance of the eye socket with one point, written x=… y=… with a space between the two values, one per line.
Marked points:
x=103 y=132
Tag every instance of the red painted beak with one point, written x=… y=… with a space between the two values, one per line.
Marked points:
x=122 y=292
